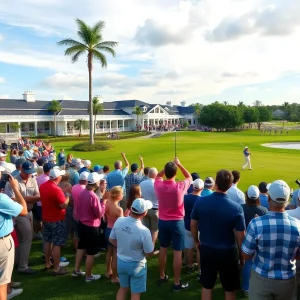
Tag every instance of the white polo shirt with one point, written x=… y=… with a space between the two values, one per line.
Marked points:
x=295 y=213
x=148 y=192
x=133 y=239
x=236 y=194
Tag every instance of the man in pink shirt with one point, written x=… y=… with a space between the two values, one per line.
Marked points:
x=170 y=196
x=90 y=211
x=76 y=190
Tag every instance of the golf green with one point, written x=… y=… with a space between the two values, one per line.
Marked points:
x=204 y=153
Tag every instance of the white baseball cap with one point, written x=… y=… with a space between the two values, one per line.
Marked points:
x=84 y=175
x=56 y=172
x=87 y=163
x=279 y=191
x=246 y=147
x=2 y=154
x=198 y=184
x=94 y=177
x=2 y=169
x=253 y=192
x=140 y=205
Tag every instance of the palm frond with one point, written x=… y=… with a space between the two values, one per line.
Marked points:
x=69 y=42
x=110 y=44
x=76 y=56
x=100 y=57
x=106 y=49
x=75 y=49
x=98 y=27
x=84 y=32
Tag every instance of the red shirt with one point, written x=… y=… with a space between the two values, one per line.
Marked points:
x=51 y=197
x=170 y=198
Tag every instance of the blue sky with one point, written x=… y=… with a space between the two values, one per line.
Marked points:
x=198 y=50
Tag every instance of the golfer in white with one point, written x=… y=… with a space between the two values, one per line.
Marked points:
x=247 y=158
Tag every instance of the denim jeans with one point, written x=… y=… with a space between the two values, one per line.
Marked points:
x=246 y=274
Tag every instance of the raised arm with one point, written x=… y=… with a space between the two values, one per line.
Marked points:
x=142 y=165
x=161 y=173
x=184 y=171
x=125 y=160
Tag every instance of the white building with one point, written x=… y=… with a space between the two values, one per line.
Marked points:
x=34 y=118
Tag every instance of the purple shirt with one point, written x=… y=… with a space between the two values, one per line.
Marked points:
x=40 y=180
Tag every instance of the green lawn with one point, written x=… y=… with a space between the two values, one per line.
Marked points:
x=199 y=152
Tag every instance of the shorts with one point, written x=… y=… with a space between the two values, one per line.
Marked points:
x=171 y=232
x=224 y=261
x=55 y=232
x=107 y=232
x=88 y=238
x=188 y=240
x=7 y=258
x=151 y=220
x=132 y=275
x=76 y=229
x=37 y=213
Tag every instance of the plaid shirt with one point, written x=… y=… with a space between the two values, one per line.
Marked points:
x=133 y=178
x=274 y=240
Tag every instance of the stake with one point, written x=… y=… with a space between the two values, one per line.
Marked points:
x=175 y=143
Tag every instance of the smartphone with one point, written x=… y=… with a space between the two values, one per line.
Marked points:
x=5 y=177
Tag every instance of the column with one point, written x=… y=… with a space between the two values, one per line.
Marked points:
x=66 y=128
x=19 y=129
x=103 y=126
x=35 y=129
x=117 y=125
x=109 y=125
x=123 y=125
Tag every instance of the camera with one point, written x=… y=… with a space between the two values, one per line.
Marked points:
x=298 y=182
x=5 y=177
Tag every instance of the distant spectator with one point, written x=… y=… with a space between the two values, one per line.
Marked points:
x=106 y=170
x=194 y=176
x=146 y=172
x=4 y=146
x=19 y=163
x=263 y=195
x=28 y=152
x=61 y=158
x=136 y=175
x=13 y=156
x=234 y=193
x=98 y=169
x=87 y=164
x=209 y=185
x=76 y=164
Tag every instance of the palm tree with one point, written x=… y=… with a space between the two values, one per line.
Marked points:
x=138 y=112
x=285 y=105
x=197 y=111
x=55 y=107
x=241 y=104
x=91 y=43
x=257 y=103
x=225 y=103
x=97 y=109
x=80 y=124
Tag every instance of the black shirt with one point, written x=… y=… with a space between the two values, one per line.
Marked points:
x=251 y=211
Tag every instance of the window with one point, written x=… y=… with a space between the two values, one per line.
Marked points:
x=157 y=110
x=145 y=108
x=31 y=127
x=47 y=127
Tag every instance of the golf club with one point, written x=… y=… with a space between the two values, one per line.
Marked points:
x=175 y=143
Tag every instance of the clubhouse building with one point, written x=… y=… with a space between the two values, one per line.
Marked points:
x=34 y=117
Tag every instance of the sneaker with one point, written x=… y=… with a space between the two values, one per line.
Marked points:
x=78 y=273
x=92 y=278
x=63 y=259
x=14 y=293
x=15 y=284
x=163 y=280
x=189 y=270
x=28 y=272
x=180 y=287
x=246 y=293
x=64 y=263
x=97 y=255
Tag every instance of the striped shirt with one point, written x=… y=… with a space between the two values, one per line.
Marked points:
x=274 y=240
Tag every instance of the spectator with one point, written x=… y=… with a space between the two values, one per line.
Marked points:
x=117 y=177
x=98 y=169
x=234 y=193
x=263 y=195
x=69 y=159
x=29 y=190
x=8 y=210
x=54 y=201
x=194 y=177
x=133 y=193
x=171 y=213
x=274 y=239
x=87 y=164
x=136 y=175
x=294 y=202
x=134 y=245
x=189 y=203
x=28 y=152
x=61 y=158
x=217 y=217
x=13 y=156
x=19 y=163
x=146 y=173
x=105 y=170
x=251 y=210
x=90 y=212
x=3 y=162
x=209 y=185
x=112 y=212
x=4 y=146
x=73 y=170
x=148 y=192
x=76 y=190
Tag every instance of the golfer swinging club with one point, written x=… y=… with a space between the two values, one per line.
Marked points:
x=247 y=158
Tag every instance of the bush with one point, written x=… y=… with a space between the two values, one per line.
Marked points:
x=42 y=136
x=86 y=147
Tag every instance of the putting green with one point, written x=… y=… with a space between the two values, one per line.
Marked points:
x=206 y=153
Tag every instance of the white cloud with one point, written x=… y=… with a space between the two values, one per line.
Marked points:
x=2 y=80
x=251 y=89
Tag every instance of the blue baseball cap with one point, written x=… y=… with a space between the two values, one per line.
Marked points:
x=48 y=166
x=28 y=167
x=97 y=168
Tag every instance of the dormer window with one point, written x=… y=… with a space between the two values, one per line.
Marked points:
x=144 y=109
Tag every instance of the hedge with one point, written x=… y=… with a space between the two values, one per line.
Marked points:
x=86 y=147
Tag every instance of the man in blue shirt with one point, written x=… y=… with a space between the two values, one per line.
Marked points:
x=8 y=210
x=272 y=242
x=247 y=158
x=217 y=218
x=263 y=195
x=209 y=185
x=117 y=177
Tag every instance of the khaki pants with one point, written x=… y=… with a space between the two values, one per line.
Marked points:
x=151 y=220
x=7 y=253
x=24 y=232
x=262 y=288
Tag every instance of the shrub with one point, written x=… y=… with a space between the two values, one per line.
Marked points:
x=42 y=136
x=86 y=147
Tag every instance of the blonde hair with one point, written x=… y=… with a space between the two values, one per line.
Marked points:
x=39 y=170
x=115 y=192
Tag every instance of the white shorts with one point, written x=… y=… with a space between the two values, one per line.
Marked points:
x=188 y=240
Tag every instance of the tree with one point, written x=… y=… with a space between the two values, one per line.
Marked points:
x=197 y=110
x=264 y=115
x=225 y=103
x=55 y=107
x=138 y=112
x=241 y=104
x=91 y=43
x=257 y=103
x=251 y=115
x=285 y=107
x=97 y=109
x=15 y=126
x=80 y=124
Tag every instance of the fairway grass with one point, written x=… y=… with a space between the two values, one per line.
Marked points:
x=204 y=153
